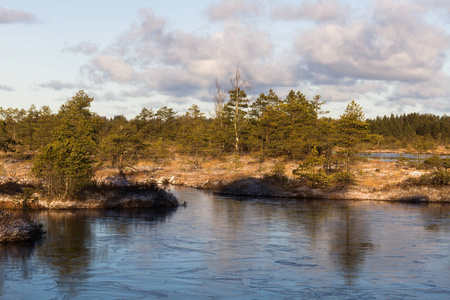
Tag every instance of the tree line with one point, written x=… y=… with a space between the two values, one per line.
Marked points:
x=402 y=131
x=66 y=145
x=270 y=126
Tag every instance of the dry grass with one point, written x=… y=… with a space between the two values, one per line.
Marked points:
x=381 y=174
x=375 y=179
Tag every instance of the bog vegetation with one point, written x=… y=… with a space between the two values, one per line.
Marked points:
x=67 y=146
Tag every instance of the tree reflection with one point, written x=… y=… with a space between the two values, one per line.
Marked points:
x=18 y=255
x=350 y=241
x=309 y=216
x=436 y=216
x=67 y=249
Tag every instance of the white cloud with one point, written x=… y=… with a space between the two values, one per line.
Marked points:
x=113 y=68
x=434 y=93
x=233 y=9
x=389 y=53
x=59 y=85
x=174 y=62
x=7 y=88
x=15 y=16
x=395 y=45
x=87 y=48
x=319 y=10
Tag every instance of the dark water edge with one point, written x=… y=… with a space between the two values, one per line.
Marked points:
x=245 y=248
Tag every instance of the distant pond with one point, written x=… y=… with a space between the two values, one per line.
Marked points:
x=390 y=156
x=228 y=248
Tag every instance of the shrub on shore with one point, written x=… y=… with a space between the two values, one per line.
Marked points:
x=130 y=195
x=96 y=195
x=18 y=228
x=435 y=178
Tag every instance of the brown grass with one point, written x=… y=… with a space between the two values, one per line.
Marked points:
x=374 y=179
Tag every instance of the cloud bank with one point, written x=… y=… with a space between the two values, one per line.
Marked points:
x=15 y=16
x=387 y=52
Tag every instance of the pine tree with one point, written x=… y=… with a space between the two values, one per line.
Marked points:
x=120 y=147
x=353 y=130
x=66 y=165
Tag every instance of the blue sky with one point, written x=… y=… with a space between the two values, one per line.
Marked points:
x=389 y=56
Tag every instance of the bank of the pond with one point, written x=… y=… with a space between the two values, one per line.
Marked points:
x=262 y=188
x=16 y=228
x=374 y=180
x=98 y=196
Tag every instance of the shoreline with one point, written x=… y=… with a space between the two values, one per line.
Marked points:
x=15 y=228
x=375 y=180
x=102 y=196
x=246 y=188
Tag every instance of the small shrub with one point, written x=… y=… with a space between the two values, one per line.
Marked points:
x=343 y=178
x=28 y=198
x=279 y=169
x=319 y=179
x=277 y=175
x=402 y=159
x=440 y=177
x=234 y=162
x=433 y=162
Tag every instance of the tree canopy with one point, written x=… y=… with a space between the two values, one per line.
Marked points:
x=69 y=144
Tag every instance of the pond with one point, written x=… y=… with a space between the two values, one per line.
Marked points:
x=228 y=248
x=391 y=156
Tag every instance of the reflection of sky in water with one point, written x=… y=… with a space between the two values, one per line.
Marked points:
x=396 y=156
x=238 y=248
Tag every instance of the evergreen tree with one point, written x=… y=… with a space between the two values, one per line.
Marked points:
x=194 y=136
x=120 y=147
x=266 y=119
x=166 y=123
x=353 y=130
x=300 y=123
x=66 y=165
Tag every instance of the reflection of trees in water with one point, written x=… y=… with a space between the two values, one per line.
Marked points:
x=350 y=240
x=342 y=224
x=297 y=215
x=435 y=216
x=233 y=214
x=308 y=216
x=67 y=248
x=245 y=228
x=18 y=255
x=122 y=222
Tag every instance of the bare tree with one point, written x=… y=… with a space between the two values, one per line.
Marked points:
x=219 y=101
x=238 y=85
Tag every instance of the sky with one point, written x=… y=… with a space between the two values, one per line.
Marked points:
x=388 y=56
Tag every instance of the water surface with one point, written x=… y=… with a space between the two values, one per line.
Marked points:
x=391 y=156
x=228 y=248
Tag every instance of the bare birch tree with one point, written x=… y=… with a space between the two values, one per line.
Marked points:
x=239 y=86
